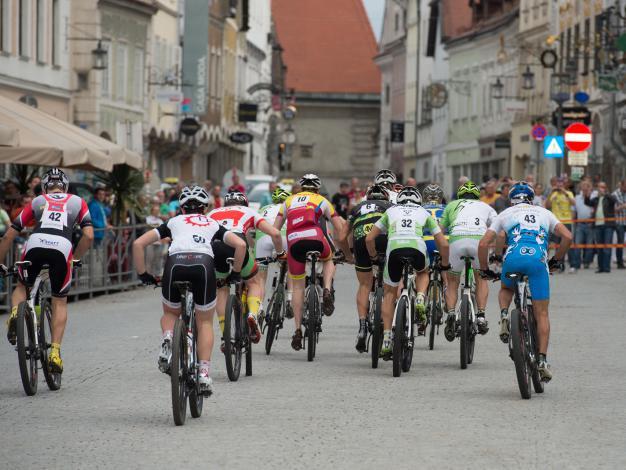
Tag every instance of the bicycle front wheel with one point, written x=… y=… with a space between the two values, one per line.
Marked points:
x=519 y=353
x=538 y=385
x=53 y=379
x=465 y=332
x=433 y=312
x=196 y=399
x=377 y=327
x=233 y=332
x=273 y=307
x=26 y=350
x=178 y=372
x=312 y=305
x=399 y=338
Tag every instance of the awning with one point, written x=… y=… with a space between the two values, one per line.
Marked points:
x=30 y=136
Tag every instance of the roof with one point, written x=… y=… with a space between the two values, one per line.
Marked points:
x=329 y=46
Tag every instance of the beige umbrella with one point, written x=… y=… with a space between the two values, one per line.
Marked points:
x=9 y=136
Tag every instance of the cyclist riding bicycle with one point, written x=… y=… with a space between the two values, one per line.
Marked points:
x=433 y=197
x=239 y=218
x=55 y=214
x=466 y=219
x=190 y=259
x=527 y=229
x=264 y=245
x=360 y=222
x=388 y=180
x=404 y=225
x=304 y=212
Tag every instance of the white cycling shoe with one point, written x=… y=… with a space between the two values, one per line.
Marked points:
x=206 y=384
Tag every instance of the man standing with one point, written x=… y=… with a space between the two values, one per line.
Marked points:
x=604 y=213
x=356 y=195
x=341 y=200
x=620 y=226
x=503 y=201
x=583 y=235
x=98 y=215
x=490 y=195
x=560 y=202
x=236 y=186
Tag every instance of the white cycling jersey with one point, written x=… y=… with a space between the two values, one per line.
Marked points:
x=525 y=223
x=237 y=218
x=465 y=218
x=191 y=233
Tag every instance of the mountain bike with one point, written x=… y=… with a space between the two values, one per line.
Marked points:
x=184 y=368
x=434 y=299
x=236 y=333
x=34 y=330
x=404 y=320
x=276 y=307
x=374 y=314
x=467 y=314
x=523 y=338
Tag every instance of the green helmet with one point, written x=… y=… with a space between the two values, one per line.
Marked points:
x=279 y=195
x=468 y=190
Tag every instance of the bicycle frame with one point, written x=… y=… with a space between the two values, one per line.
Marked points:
x=408 y=288
x=469 y=288
x=189 y=317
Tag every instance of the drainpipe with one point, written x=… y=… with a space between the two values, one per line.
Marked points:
x=417 y=79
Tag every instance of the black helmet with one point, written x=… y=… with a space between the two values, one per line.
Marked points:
x=377 y=192
x=310 y=181
x=433 y=194
x=56 y=177
x=235 y=198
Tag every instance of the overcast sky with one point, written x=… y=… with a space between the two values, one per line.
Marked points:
x=375 y=10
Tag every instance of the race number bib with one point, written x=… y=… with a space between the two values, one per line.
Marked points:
x=54 y=215
x=530 y=222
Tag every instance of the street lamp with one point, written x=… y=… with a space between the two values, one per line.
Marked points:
x=100 y=56
x=497 y=90
x=559 y=87
x=528 y=79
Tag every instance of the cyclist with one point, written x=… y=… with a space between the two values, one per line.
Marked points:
x=304 y=212
x=360 y=222
x=466 y=219
x=433 y=198
x=55 y=213
x=389 y=181
x=239 y=218
x=527 y=228
x=404 y=225
x=264 y=245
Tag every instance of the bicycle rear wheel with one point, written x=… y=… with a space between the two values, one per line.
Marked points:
x=399 y=337
x=247 y=343
x=377 y=327
x=407 y=356
x=465 y=332
x=233 y=332
x=26 y=352
x=273 y=307
x=538 y=385
x=519 y=353
x=433 y=312
x=53 y=379
x=196 y=399
x=179 y=372
x=311 y=328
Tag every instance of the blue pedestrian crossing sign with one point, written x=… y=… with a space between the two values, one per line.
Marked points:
x=553 y=147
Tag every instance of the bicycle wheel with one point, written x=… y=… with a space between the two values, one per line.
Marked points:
x=538 y=385
x=465 y=332
x=311 y=328
x=274 y=307
x=233 y=338
x=178 y=372
x=26 y=352
x=432 y=312
x=248 y=346
x=53 y=379
x=377 y=330
x=407 y=356
x=519 y=353
x=398 y=337
x=472 y=335
x=196 y=399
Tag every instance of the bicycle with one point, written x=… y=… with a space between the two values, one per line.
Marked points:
x=32 y=338
x=184 y=370
x=523 y=338
x=404 y=320
x=467 y=310
x=236 y=333
x=374 y=315
x=434 y=296
x=276 y=307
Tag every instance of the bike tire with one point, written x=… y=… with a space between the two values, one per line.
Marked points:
x=519 y=354
x=398 y=337
x=178 y=373
x=538 y=385
x=233 y=338
x=273 y=307
x=465 y=332
x=377 y=332
x=311 y=329
x=407 y=353
x=53 y=379
x=248 y=346
x=26 y=356
x=433 y=311
x=196 y=399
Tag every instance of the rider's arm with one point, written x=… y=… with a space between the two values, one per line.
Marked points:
x=370 y=240
x=238 y=244
x=500 y=243
x=139 y=247
x=7 y=241
x=85 y=242
x=443 y=247
x=565 y=235
x=273 y=232
x=340 y=228
x=281 y=216
x=483 y=248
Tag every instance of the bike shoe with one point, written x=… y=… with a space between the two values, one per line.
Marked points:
x=361 y=339
x=289 y=311
x=328 y=303
x=255 y=332
x=544 y=371
x=385 y=351
x=165 y=356
x=504 y=329
x=55 y=364
x=421 y=328
x=449 y=331
x=482 y=325
x=261 y=319
x=11 y=326
x=205 y=384
x=223 y=346
x=296 y=340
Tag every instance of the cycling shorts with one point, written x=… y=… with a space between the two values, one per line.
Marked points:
x=196 y=268
x=59 y=269
x=393 y=267
x=264 y=248
x=531 y=261
x=301 y=242
x=362 y=260
x=463 y=247
x=222 y=252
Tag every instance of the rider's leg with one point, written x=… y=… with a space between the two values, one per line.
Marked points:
x=540 y=309
x=297 y=301
x=482 y=292
x=59 y=318
x=170 y=314
x=363 y=292
x=505 y=296
x=328 y=272
x=19 y=295
x=204 y=323
x=452 y=292
x=255 y=291
x=222 y=298
x=389 y=299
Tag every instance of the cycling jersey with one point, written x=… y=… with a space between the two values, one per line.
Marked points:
x=436 y=211
x=264 y=245
x=191 y=233
x=361 y=220
x=237 y=218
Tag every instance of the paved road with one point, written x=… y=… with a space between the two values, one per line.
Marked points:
x=114 y=410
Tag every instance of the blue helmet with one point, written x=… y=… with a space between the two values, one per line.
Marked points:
x=521 y=192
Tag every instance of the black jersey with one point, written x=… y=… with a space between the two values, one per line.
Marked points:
x=364 y=215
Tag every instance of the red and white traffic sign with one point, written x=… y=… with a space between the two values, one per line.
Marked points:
x=578 y=137
x=539 y=132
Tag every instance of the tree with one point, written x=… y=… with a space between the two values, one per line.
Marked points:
x=126 y=184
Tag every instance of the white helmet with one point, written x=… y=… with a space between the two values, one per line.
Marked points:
x=194 y=196
x=409 y=195
x=57 y=177
x=235 y=198
x=385 y=177
x=310 y=181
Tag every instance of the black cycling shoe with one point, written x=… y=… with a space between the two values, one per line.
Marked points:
x=289 y=311
x=328 y=302
x=450 y=330
x=296 y=340
x=361 y=338
x=482 y=324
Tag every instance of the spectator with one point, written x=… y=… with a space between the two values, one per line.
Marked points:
x=560 y=202
x=11 y=195
x=174 y=206
x=411 y=182
x=154 y=252
x=540 y=199
x=490 y=195
x=164 y=208
x=583 y=233
x=341 y=200
x=530 y=179
x=462 y=180
x=217 y=198
x=355 y=194
x=34 y=185
x=236 y=186
x=208 y=186
x=620 y=225
x=97 y=210
x=296 y=188
x=604 y=225
x=266 y=198
x=5 y=221
x=503 y=201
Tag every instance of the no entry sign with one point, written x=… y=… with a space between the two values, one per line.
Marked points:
x=578 y=137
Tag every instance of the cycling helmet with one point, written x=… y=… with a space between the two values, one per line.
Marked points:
x=409 y=195
x=279 y=195
x=385 y=177
x=521 y=192
x=468 y=191
x=54 y=176
x=194 y=198
x=377 y=192
x=235 y=198
x=433 y=193
x=310 y=181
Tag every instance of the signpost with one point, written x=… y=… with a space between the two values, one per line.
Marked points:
x=248 y=112
x=578 y=137
x=241 y=137
x=572 y=114
x=577 y=158
x=539 y=132
x=397 y=132
x=189 y=126
x=553 y=147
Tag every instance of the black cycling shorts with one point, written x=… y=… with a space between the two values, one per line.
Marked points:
x=222 y=252
x=362 y=260
x=393 y=274
x=196 y=268
x=59 y=269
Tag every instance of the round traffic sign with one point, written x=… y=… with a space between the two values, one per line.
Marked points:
x=578 y=137
x=539 y=132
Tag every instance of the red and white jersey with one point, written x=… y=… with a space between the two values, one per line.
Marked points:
x=192 y=233
x=239 y=219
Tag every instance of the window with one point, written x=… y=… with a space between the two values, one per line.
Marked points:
x=138 y=76
x=107 y=75
x=121 y=72
x=5 y=25
x=387 y=93
x=585 y=46
x=56 y=28
x=41 y=31
x=24 y=22
x=306 y=151
x=397 y=22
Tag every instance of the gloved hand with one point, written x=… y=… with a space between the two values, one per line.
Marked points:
x=495 y=258
x=489 y=274
x=234 y=277
x=4 y=271
x=555 y=264
x=282 y=255
x=148 y=279
x=444 y=267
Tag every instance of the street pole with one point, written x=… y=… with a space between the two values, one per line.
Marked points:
x=559 y=131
